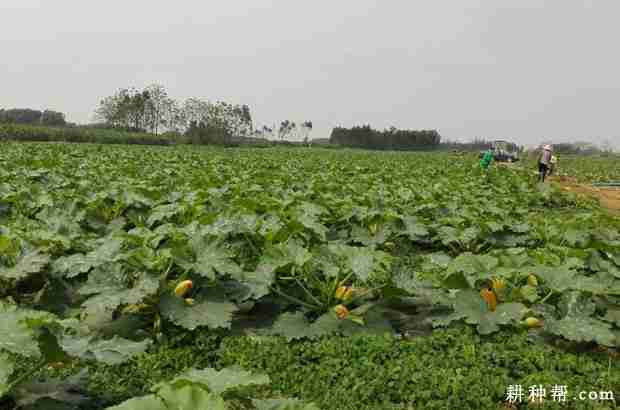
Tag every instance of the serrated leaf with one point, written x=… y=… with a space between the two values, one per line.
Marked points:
x=600 y=284
x=295 y=326
x=290 y=252
x=613 y=316
x=145 y=286
x=60 y=391
x=505 y=313
x=514 y=258
x=105 y=278
x=49 y=346
x=209 y=310
x=529 y=293
x=414 y=229
x=456 y=280
x=474 y=267
x=26 y=265
x=117 y=350
x=113 y=351
x=7 y=367
x=190 y=398
x=107 y=251
x=162 y=212
x=494 y=226
x=150 y=402
x=583 y=329
x=448 y=235
x=423 y=290
x=221 y=227
x=521 y=228
x=283 y=404
x=444 y=321
x=270 y=226
x=373 y=323
x=576 y=304
x=18 y=330
x=216 y=381
x=362 y=261
x=558 y=278
x=214 y=259
x=99 y=308
x=308 y=216
x=440 y=259
x=576 y=237
x=469 y=305
x=256 y=284
x=73 y=265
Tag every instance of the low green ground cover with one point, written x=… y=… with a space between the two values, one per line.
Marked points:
x=296 y=265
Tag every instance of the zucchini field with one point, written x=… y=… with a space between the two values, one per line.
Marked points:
x=142 y=277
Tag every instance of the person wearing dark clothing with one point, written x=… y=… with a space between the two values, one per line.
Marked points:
x=544 y=162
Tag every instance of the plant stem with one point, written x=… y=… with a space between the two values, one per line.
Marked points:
x=27 y=375
x=249 y=240
x=346 y=278
x=546 y=297
x=165 y=275
x=370 y=291
x=307 y=292
x=294 y=299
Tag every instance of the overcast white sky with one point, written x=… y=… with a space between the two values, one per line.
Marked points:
x=517 y=69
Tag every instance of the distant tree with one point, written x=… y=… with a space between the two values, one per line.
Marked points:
x=21 y=116
x=286 y=129
x=194 y=110
x=119 y=110
x=32 y=117
x=53 y=118
x=306 y=129
x=264 y=132
x=215 y=123
x=173 y=117
x=246 y=117
x=392 y=138
x=607 y=146
x=158 y=107
x=152 y=110
x=108 y=111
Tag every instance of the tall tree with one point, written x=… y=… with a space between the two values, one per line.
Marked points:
x=158 y=106
x=53 y=118
x=306 y=129
x=286 y=129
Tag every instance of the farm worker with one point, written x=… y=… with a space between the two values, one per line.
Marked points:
x=486 y=160
x=553 y=164
x=544 y=162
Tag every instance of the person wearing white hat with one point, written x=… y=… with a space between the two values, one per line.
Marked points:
x=544 y=162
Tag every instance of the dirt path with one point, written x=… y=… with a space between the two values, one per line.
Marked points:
x=609 y=197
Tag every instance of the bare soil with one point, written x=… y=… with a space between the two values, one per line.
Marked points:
x=608 y=197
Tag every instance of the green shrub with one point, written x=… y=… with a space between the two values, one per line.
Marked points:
x=451 y=369
x=77 y=134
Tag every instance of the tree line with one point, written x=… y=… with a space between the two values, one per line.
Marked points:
x=286 y=130
x=201 y=121
x=27 y=116
x=152 y=110
x=478 y=144
x=580 y=148
x=392 y=138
